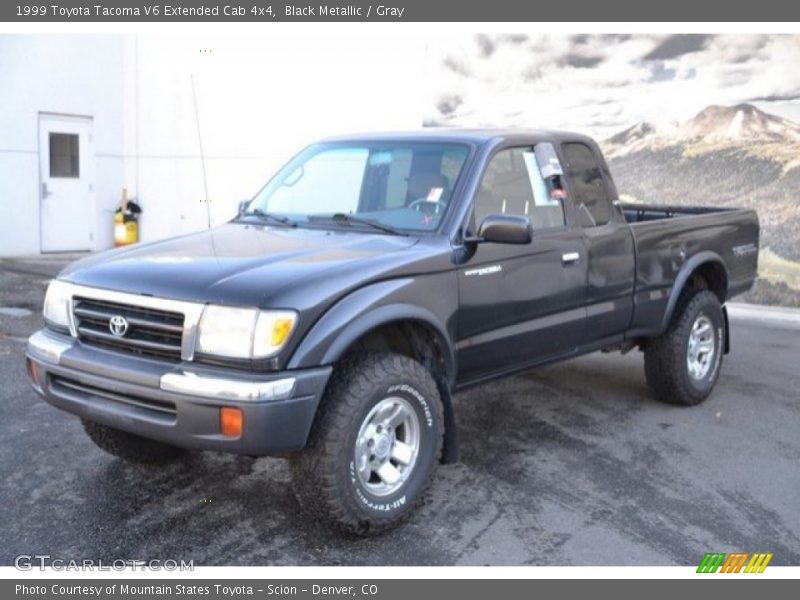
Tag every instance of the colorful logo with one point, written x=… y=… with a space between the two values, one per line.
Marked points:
x=736 y=562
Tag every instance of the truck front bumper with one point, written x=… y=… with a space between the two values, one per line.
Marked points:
x=178 y=404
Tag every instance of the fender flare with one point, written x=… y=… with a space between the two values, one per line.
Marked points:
x=384 y=315
x=362 y=311
x=699 y=259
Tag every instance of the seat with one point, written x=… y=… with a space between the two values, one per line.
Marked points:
x=420 y=185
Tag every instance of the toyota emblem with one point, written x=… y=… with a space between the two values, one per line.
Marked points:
x=118 y=325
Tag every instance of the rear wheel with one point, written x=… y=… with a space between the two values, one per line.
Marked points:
x=682 y=365
x=374 y=446
x=130 y=447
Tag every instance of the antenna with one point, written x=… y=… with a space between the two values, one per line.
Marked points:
x=202 y=156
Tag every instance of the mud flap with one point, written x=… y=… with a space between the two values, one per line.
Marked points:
x=450 y=451
x=727 y=330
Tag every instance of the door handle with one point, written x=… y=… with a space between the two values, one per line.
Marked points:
x=570 y=257
x=45 y=191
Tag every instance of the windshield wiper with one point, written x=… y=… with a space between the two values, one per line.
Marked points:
x=350 y=219
x=262 y=214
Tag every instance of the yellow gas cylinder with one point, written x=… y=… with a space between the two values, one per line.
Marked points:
x=126 y=222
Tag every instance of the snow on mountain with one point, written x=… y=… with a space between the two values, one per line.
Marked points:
x=714 y=126
x=744 y=121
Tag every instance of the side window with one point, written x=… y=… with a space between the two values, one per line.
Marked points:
x=588 y=188
x=513 y=185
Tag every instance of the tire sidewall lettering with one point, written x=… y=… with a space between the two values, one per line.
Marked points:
x=718 y=356
x=417 y=395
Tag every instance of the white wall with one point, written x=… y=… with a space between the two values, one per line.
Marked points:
x=78 y=75
x=261 y=98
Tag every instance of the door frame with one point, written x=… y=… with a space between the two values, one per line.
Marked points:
x=515 y=252
x=93 y=169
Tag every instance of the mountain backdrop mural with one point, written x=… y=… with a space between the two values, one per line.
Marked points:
x=724 y=156
x=703 y=120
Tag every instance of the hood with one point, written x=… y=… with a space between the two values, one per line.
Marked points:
x=243 y=264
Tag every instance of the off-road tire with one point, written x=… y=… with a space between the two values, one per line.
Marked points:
x=323 y=474
x=665 y=357
x=130 y=447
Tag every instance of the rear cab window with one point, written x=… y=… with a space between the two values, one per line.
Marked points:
x=587 y=186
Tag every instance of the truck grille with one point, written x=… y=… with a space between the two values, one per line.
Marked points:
x=65 y=386
x=150 y=332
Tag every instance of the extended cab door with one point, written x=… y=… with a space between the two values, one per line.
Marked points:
x=610 y=254
x=519 y=304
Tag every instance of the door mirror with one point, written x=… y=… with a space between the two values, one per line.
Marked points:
x=505 y=229
x=242 y=207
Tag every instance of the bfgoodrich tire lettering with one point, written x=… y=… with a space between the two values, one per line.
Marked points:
x=326 y=474
x=668 y=359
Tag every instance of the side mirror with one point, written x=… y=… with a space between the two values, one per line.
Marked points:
x=505 y=229
x=242 y=207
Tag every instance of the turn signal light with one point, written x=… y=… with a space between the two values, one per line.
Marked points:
x=33 y=371
x=231 y=421
x=281 y=330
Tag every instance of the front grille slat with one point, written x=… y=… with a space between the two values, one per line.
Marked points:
x=96 y=315
x=151 y=332
x=74 y=386
x=150 y=314
x=107 y=337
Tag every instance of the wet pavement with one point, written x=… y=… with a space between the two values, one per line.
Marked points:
x=572 y=464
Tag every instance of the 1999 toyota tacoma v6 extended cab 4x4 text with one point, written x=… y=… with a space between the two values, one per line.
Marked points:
x=374 y=276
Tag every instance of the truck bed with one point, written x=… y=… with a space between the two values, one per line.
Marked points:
x=667 y=237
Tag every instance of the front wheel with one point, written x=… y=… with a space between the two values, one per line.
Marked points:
x=374 y=446
x=682 y=365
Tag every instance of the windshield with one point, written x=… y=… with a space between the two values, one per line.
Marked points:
x=397 y=185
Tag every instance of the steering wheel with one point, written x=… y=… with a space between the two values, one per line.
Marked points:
x=420 y=204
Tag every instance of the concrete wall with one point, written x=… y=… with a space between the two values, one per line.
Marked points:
x=260 y=99
x=77 y=75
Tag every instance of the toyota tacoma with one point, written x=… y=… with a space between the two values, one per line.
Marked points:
x=334 y=318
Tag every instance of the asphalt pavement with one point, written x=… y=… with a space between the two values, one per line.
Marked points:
x=571 y=464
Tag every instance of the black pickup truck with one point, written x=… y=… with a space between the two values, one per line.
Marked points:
x=335 y=316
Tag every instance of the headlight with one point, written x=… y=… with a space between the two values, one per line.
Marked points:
x=56 y=303
x=243 y=332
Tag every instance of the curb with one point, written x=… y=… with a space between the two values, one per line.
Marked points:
x=770 y=315
x=47 y=266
